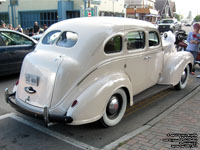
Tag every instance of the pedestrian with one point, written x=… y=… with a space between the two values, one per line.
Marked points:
x=19 y=28
x=45 y=27
x=3 y=25
x=36 y=28
x=10 y=27
x=193 y=40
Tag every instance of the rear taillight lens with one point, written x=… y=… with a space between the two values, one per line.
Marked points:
x=74 y=103
x=17 y=82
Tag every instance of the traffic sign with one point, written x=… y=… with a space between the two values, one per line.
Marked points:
x=89 y=13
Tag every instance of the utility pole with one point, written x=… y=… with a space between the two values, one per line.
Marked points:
x=113 y=7
x=89 y=3
x=12 y=12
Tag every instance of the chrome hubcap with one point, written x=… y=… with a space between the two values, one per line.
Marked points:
x=113 y=105
x=184 y=77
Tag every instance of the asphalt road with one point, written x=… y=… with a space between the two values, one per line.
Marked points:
x=21 y=132
x=187 y=28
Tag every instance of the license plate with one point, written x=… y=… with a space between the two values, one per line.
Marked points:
x=32 y=79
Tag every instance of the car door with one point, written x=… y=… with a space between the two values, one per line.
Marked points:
x=155 y=56
x=136 y=61
x=4 y=57
x=18 y=46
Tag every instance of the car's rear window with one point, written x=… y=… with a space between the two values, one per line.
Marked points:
x=51 y=37
x=67 y=39
x=167 y=21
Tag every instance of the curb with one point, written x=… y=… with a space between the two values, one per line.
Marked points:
x=150 y=123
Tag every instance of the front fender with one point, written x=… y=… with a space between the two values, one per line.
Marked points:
x=93 y=100
x=174 y=66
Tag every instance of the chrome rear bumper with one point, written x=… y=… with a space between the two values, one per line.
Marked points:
x=45 y=115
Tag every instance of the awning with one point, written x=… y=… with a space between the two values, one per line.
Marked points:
x=142 y=11
x=153 y=12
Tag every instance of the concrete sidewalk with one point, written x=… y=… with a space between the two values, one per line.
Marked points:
x=178 y=129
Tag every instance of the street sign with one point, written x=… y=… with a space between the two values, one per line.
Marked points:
x=89 y=13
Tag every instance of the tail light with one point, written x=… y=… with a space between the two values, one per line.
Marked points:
x=17 y=82
x=74 y=103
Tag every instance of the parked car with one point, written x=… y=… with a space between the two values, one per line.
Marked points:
x=189 y=23
x=37 y=37
x=89 y=69
x=13 y=48
x=168 y=25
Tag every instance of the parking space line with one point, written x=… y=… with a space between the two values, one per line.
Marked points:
x=6 y=116
x=146 y=102
x=47 y=131
x=141 y=129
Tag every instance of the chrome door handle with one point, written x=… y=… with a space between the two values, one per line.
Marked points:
x=147 y=57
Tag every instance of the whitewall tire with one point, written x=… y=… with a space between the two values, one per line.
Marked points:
x=115 y=108
x=184 y=79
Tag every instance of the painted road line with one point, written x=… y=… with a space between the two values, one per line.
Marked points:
x=150 y=101
x=144 y=101
x=59 y=136
x=130 y=135
x=6 y=116
x=174 y=106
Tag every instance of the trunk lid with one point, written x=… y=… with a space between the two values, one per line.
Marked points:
x=37 y=78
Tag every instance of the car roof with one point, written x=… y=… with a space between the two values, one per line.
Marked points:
x=8 y=30
x=114 y=23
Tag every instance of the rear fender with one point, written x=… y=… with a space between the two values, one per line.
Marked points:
x=92 y=102
x=174 y=66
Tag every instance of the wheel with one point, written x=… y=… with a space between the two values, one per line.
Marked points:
x=115 y=109
x=184 y=79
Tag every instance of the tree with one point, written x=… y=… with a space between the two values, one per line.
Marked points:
x=197 y=18
x=177 y=16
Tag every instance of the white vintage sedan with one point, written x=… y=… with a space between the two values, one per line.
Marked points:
x=89 y=69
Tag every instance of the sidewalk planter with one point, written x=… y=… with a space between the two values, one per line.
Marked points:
x=89 y=69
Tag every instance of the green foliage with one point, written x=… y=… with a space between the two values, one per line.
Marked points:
x=197 y=18
x=178 y=17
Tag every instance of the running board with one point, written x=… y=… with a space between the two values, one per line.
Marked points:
x=150 y=92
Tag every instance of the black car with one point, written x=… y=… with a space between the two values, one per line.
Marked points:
x=14 y=46
x=168 y=25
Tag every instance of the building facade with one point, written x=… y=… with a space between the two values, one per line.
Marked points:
x=142 y=9
x=26 y=12
x=166 y=8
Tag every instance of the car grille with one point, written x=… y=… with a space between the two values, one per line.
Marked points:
x=163 y=28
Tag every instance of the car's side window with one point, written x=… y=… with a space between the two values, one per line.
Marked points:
x=5 y=39
x=114 y=45
x=153 y=39
x=10 y=38
x=135 y=40
x=1 y=41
